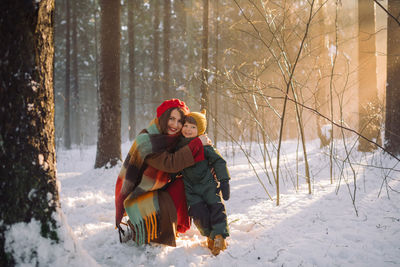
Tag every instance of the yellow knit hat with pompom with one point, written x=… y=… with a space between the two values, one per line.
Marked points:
x=201 y=121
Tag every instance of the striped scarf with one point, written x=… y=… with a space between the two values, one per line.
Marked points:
x=136 y=184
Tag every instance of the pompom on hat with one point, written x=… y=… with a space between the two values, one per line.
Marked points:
x=172 y=103
x=201 y=121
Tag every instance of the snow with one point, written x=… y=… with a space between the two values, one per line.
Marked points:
x=182 y=88
x=326 y=130
x=332 y=52
x=321 y=229
x=24 y=238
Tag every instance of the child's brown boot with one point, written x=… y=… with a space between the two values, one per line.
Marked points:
x=219 y=244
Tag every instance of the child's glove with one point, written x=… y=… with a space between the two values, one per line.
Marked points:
x=224 y=186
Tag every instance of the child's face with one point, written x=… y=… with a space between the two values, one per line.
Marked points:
x=189 y=130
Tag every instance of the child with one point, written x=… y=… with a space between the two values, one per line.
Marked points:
x=203 y=195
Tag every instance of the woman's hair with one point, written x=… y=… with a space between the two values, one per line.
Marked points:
x=163 y=119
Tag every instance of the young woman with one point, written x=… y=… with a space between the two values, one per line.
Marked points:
x=155 y=206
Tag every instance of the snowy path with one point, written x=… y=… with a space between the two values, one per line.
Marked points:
x=305 y=230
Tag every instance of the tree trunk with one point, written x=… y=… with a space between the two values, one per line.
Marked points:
x=392 y=124
x=132 y=98
x=192 y=89
x=96 y=54
x=166 y=63
x=367 y=91
x=109 y=136
x=156 y=46
x=322 y=93
x=67 y=93
x=216 y=94
x=204 y=59
x=28 y=189
x=75 y=93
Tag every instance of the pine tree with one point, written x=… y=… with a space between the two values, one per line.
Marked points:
x=368 y=123
x=204 y=59
x=27 y=160
x=109 y=135
x=67 y=92
x=132 y=98
x=392 y=125
x=166 y=48
x=75 y=73
x=156 y=89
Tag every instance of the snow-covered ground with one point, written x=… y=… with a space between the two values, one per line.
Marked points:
x=321 y=229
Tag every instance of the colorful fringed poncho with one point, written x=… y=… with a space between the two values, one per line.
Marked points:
x=137 y=183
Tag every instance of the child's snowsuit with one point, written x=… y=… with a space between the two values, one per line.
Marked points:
x=203 y=196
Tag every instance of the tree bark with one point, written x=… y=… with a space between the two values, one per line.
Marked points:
x=166 y=50
x=156 y=46
x=109 y=136
x=192 y=89
x=204 y=59
x=132 y=98
x=392 y=124
x=322 y=93
x=216 y=94
x=367 y=91
x=75 y=93
x=28 y=165
x=96 y=54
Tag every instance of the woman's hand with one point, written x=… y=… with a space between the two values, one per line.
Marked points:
x=205 y=140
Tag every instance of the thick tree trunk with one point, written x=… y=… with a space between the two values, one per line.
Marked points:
x=204 y=59
x=132 y=98
x=166 y=50
x=368 y=123
x=28 y=166
x=109 y=136
x=67 y=93
x=392 y=124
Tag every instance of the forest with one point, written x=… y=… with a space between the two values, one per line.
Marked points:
x=302 y=93
x=262 y=70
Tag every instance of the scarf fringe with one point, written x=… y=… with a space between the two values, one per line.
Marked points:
x=143 y=215
x=146 y=230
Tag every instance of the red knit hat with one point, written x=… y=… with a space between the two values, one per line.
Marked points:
x=172 y=103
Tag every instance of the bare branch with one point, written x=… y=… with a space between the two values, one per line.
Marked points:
x=390 y=15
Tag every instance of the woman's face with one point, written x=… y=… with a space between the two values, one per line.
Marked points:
x=174 y=122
